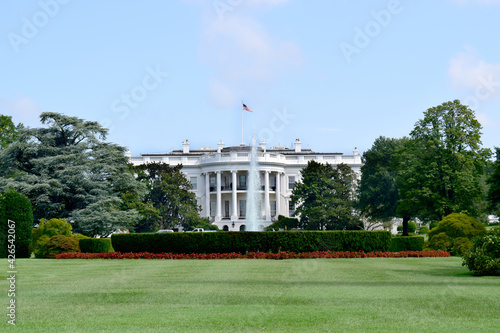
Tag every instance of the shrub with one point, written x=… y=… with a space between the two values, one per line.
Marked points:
x=242 y=242
x=96 y=245
x=46 y=230
x=423 y=230
x=412 y=226
x=15 y=207
x=58 y=244
x=414 y=243
x=484 y=256
x=453 y=229
x=283 y=222
x=433 y=225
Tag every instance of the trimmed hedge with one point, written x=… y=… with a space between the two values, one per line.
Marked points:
x=408 y=243
x=243 y=242
x=96 y=245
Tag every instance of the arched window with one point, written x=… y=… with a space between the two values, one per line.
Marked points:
x=242 y=227
x=225 y=228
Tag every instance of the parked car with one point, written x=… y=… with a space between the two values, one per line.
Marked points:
x=165 y=230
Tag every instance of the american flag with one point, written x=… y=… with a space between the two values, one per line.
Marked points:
x=247 y=108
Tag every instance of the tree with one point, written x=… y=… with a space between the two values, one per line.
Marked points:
x=68 y=171
x=378 y=192
x=494 y=182
x=169 y=192
x=45 y=231
x=15 y=214
x=325 y=197
x=440 y=167
x=8 y=131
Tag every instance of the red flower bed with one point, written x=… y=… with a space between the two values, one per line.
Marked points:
x=253 y=255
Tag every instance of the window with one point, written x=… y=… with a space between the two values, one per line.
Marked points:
x=212 y=183
x=242 y=182
x=291 y=182
x=243 y=208
x=272 y=181
x=226 y=208
x=212 y=208
x=291 y=208
x=273 y=208
x=194 y=183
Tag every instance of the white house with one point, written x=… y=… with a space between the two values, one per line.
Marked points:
x=220 y=177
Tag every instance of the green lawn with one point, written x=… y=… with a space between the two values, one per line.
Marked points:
x=316 y=295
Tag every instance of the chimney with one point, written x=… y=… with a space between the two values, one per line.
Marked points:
x=298 y=146
x=355 y=151
x=263 y=145
x=128 y=154
x=220 y=145
x=185 y=147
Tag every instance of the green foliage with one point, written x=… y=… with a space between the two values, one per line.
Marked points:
x=378 y=192
x=68 y=171
x=454 y=233
x=58 y=244
x=45 y=231
x=400 y=243
x=433 y=225
x=423 y=230
x=441 y=166
x=284 y=223
x=96 y=245
x=324 y=197
x=169 y=193
x=17 y=208
x=484 y=256
x=8 y=131
x=494 y=189
x=412 y=227
x=242 y=242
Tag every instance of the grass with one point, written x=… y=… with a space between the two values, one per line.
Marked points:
x=308 y=295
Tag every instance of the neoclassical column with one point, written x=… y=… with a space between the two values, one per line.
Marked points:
x=218 y=215
x=278 y=193
x=267 y=203
x=234 y=214
x=207 y=194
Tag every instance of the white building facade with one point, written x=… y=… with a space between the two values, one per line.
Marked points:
x=220 y=178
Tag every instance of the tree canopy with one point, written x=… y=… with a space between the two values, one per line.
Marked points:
x=494 y=182
x=67 y=170
x=441 y=165
x=169 y=193
x=324 y=197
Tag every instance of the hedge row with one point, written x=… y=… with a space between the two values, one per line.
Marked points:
x=413 y=243
x=255 y=255
x=96 y=245
x=243 y=242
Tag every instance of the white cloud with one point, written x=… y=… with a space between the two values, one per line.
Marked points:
x=22 y=109
x=243 y=53
x=468 y=70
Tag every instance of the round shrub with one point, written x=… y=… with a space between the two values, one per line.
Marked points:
x=484 y=256
x=58 y=244
x=423 y=230
x=46 y=230
x=453 y=231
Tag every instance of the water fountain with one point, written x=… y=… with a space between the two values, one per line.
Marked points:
x=254 y=199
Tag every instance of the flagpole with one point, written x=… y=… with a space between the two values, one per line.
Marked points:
x=242 y=124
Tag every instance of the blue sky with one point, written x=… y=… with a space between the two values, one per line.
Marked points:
x=336 y=74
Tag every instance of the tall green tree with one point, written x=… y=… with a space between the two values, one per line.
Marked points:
x=169 y=192
x=67 y=170
x=8 y=131
x=494 y=182
x=440 y=167
x=15 y=214
x=378 y=193
x=324 y=198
